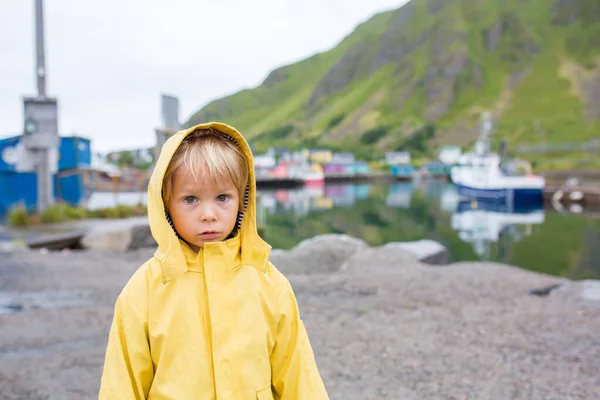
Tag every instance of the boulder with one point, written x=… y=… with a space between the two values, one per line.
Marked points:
x=141 y=237
x=320 y=254
x=332 y=253
x=107 y=240
x=379 y=258
x=131 y=238
x=426 y=251
x=590 y=289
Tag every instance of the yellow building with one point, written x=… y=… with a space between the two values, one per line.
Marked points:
x=321 y=156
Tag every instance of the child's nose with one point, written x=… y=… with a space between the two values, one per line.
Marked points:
x=207 y=213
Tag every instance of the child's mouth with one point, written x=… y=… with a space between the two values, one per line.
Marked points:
x=209 y=235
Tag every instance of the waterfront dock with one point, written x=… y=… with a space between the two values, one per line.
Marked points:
x=588 y=196
x=287 y=182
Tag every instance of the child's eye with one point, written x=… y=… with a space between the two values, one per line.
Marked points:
x=189 y=200
x=222 y=198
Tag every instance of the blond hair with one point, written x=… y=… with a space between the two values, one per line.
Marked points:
x=212 y=152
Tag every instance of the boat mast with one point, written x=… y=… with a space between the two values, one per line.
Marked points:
x=483 y=145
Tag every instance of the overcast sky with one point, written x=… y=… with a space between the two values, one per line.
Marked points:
x=109 y=61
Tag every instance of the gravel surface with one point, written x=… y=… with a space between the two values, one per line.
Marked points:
x=383 y=325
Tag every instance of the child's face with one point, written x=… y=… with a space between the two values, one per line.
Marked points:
x=201 y=210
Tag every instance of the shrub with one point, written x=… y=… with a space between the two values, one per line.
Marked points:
x=56 y=213
x=105 y=213
x=76 y=212
x=18 y=216
x=373 y=135
x=335 y=120
x=140 y=210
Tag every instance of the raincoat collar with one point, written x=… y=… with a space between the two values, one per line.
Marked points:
x=175 y=257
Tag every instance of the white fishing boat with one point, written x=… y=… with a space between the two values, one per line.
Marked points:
x=488 y=176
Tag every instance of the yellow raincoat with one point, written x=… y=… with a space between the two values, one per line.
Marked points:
x=220 y=324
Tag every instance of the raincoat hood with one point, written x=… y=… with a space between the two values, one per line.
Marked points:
x=173 y=254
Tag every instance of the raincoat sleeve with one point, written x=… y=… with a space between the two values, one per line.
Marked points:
x=294 y=370
x=128 y=369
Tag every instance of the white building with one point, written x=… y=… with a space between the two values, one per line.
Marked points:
x=450 y=154
x=265 y=160
x=343 y=158
x=397 y=158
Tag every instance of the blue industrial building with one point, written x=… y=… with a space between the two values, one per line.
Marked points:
x=18 y=180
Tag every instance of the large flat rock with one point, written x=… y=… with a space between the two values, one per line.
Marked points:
x=330 y=253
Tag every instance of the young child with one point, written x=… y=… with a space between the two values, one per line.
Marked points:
x=208 y=317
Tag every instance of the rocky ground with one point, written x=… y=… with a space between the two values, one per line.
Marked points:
x=382 y=324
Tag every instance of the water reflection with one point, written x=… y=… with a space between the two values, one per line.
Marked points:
x=300 y=201
x=444 y=194
x=400 y=195
x=483 y=224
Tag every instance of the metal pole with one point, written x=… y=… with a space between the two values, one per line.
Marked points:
x=45 y=183
x=40 y=55
x=47 y=136
x=44 y=177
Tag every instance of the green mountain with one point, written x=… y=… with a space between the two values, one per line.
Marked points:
x=420 y=76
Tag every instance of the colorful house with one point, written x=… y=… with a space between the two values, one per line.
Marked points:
x=436 y=169
x=346 y=169
x=403 y=171
x=360 y=168
x=336 y=169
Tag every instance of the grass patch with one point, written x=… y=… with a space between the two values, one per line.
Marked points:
x=19 y=217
